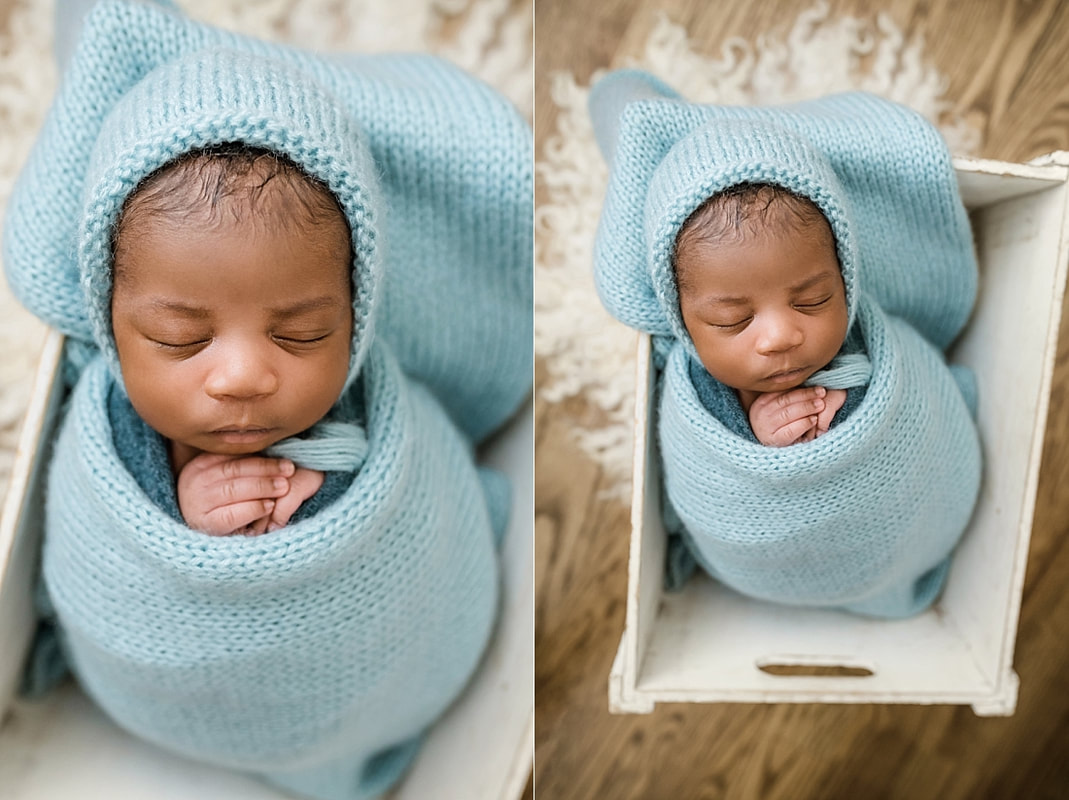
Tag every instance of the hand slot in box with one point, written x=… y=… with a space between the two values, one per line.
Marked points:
x=795 y=666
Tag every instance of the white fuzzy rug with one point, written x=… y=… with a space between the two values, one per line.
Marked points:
x=490 y=38
x=586 y=352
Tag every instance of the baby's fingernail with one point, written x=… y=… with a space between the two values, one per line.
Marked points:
x=819 y=404
x=286 y=467
x=813 y=420
x=821 y=391
x=269 y=505
x=280 y=483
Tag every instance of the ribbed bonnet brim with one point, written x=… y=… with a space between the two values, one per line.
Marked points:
x=725 y=153
x=211 y=97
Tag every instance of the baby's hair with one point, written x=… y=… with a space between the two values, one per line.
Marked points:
x=745 y=210
x=250 y=180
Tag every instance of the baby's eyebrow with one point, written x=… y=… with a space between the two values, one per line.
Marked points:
x=177 y=307
x=308 y=305
x=725 y=300
x=812 y=281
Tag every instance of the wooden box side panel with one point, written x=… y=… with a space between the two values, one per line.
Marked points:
x=1010 y=345
x=21 y=519
x=646 y=558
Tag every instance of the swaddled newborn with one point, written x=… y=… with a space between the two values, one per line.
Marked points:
x=779 y=256
x=232 y=312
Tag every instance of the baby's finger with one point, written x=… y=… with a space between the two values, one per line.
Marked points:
x=794 y=411
x=795 y=395
x=259 y=526
x=238 y=490
x=792 y=432
x=257 y=466
x=232 y=519
x=824 y=419
x=285 y=508
x=303 y=484
x=832 y=403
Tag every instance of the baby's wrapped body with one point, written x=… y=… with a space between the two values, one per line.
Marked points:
x=865 y=515
x=304 y=653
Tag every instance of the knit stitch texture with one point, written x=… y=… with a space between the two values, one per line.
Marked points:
x=432 y=169
x=865 y=516
x=307 y=655
x=857 y=518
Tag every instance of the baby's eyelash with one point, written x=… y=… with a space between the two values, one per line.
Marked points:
x=179 y=346
x=296 y=340
x=730 y=325
x=817 y=304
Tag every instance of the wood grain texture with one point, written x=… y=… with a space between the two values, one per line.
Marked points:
x=1006 y=67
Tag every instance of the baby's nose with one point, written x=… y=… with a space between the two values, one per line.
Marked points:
x=241 y=373
x=778 y=334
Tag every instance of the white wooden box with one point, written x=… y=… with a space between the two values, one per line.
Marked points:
x=64 y=747
x=709 y=644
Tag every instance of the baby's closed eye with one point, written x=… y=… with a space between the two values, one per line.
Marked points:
x=731 y=325
x=812 y=302
x=179 y=344
x=302 y=339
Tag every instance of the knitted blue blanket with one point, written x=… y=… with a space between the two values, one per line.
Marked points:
x=865 y=516
x=316 y=655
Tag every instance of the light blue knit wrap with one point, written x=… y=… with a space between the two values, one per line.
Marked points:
x=432 y=168
x=857 y=518
x=865 y=516
x=300 y=654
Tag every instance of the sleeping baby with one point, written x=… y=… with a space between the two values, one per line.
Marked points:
x=801 y=270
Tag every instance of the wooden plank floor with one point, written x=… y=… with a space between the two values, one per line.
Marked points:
x=1006 y=61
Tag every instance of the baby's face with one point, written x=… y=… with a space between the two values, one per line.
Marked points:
x=231 y=339
x=766 y=312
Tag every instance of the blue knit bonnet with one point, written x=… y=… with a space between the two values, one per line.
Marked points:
x=873 y=168
x=146 y=86
x=258 y=101
x=722 y=154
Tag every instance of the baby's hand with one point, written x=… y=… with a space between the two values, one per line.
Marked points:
x=303 y=484
x=782 y=418
x=833 y=401
x=222 y=495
